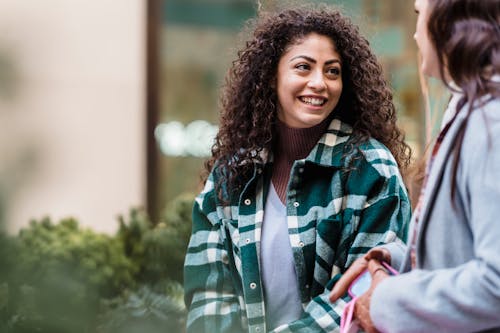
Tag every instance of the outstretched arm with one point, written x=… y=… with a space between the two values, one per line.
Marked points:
x=463 y=297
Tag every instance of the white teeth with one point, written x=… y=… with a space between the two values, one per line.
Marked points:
x=313 y=101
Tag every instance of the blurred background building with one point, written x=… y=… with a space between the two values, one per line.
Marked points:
x=72 y=110
x=106 y=105
x=199 y=39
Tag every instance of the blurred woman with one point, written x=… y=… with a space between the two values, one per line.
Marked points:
x=451 y=280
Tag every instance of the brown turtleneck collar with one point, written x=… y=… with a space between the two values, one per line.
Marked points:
x=292 y=144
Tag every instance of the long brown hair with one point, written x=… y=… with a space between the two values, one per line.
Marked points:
x=249 y=102
x=466 y=37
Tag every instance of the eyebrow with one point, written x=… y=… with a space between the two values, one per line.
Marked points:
x=328 y=62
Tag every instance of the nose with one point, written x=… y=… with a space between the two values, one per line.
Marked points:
x=317 y=81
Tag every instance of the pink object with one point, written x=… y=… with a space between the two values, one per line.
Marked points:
x=358 y=287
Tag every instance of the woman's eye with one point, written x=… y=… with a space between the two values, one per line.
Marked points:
x=333 y=71
x=302 y=67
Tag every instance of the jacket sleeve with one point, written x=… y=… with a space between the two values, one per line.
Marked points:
x=210 y=297
x=380 y=216
x=464 y=298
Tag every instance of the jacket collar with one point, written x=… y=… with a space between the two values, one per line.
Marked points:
x=435 y=176
x=328 y=150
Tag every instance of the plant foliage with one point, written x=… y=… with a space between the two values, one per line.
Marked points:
x=60 y=277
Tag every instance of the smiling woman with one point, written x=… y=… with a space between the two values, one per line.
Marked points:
x=308 y=81
x=303 y=177
x=199 y=40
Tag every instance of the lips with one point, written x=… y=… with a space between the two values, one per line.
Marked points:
x=314 y=101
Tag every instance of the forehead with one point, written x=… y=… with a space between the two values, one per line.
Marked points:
x=311 y=39
x=420 y=3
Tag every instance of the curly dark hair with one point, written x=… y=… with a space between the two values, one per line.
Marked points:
x=249 y=102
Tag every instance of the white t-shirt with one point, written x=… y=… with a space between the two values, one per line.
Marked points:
x=281 y=289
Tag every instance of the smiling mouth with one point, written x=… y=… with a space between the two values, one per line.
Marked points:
x=314 y=101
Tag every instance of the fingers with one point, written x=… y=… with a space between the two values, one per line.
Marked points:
x=377 y=271
x=345 y=281
x=378 y=253
x=362 y=310
x=362 y=313
x=362 y=305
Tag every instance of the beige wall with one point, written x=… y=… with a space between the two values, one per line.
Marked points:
x=72 y=121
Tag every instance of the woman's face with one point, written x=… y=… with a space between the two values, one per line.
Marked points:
x=429 y=60
x=308 y=81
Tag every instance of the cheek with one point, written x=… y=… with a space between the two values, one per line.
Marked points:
x=283 y=93
x=336 y=90
x=429 y=56
x=432 y=66
x=285 y=84
x=340 y=88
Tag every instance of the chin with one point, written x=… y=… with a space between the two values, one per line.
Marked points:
x=312 y=122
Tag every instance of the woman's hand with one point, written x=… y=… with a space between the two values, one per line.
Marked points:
x=362 y=305
x=356 y=268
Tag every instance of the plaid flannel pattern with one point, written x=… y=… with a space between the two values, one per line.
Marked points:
x=333 y=218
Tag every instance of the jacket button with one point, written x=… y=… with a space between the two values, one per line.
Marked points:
x=248 y=202
x=301 y=244
x=253 y=285
x=296 y=204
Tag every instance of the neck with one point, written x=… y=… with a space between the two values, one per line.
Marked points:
x=292 y=144
x=296 y=143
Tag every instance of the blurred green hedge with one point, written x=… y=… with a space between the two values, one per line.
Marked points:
x=60 y=277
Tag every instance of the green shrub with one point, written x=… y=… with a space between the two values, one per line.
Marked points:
x=131 y=235
x=146 y=310
x=58 y=274
x=159 y=250
x=64 y=278
x=96 y=260
x=173 y=235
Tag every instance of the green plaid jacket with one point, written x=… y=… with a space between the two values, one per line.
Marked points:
x=334 y=216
